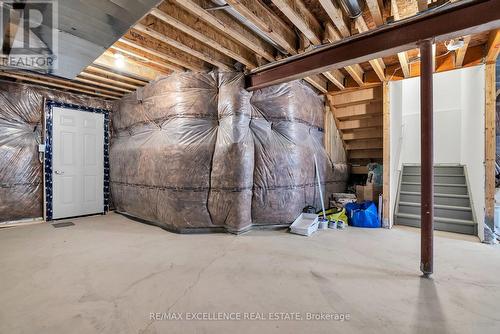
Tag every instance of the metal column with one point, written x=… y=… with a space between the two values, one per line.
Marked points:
x=427 y=158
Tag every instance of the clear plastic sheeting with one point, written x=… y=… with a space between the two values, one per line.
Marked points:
x=161 y=153
x=197 y=151
x=21 y=181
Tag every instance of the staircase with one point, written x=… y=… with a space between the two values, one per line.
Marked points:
x=452 y=204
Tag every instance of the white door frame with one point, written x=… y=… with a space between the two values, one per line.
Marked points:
x=48 y=154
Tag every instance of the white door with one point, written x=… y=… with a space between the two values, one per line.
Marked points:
x=77 y=163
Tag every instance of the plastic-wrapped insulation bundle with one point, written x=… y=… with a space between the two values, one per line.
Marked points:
x=161 y=153
x=21 y=106
x=198 y=151
x=287 y=126
x=233 y=162
x=20 y=170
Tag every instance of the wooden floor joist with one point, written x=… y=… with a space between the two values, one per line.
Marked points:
x=165 y=33
x=162 y=50
x=186 y=22
x=104 y=85
x=107 y=79
x=161 y=62
x=67 y=86
x=121 y=77
x=229 y=26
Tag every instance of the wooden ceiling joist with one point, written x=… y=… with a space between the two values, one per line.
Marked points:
x=102 y=84
x=375 y=11
x=336 y=77
x=308 y=25
x=58 y=83
x=164 y=51
x=460 y=53
x=130 y=67
x=474 y=56
x=130 y=51
x=119 y=76
x=403 y=61
x=493 y=46
x=107 y=79
x=275 y=29
x=186 y=22
x=355 y=71
x=163 y=32
x=443 y=23
x=229 y=26
x=318 y=82
x=268 y=22
x=301 y=17
x=337 y=17
x=402 y=56
x=377 y=64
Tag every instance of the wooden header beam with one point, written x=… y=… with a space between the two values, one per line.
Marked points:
x=455 y=20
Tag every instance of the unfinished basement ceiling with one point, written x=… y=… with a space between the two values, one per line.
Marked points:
x=90 y=27
x=201 y=35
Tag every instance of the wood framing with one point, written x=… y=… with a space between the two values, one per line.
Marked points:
x=165 y=33
x=57 y=83
x=355 y=71
x=302 y=18
x=493 y=46
x=130 y=67
x=228 y=25
x=336 y=16
x=119 y=76
x=490 y=144
x=151 y=59
x=377 y=64
x=102 y=84
x=374 y=8
x=369 y=133
x=460 y=53
x=267 y=21
x=186 y=22
x=163 y=50
x=451 y=21
x=386 y=190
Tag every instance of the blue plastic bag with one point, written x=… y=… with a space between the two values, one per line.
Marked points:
x=363 y=214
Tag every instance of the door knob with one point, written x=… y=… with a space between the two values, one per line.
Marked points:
x=58 y=172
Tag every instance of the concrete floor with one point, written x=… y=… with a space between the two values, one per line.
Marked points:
x=107 y=274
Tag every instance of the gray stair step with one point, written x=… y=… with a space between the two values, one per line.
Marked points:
x=457 y=170
x=441 y=211
x=453 y=189
x=438 y=178
x=440 y=224
x=442 y=199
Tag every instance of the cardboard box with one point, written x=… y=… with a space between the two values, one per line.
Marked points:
x=369 y=192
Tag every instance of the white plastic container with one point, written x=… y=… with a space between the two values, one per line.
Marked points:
x=305 y=224
x=322 y=224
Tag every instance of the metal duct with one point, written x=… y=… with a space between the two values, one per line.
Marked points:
x=234 y=13
x=353 y=8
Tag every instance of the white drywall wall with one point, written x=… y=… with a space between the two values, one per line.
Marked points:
x=458 y=128
x=473 y=138
x=396 y=104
